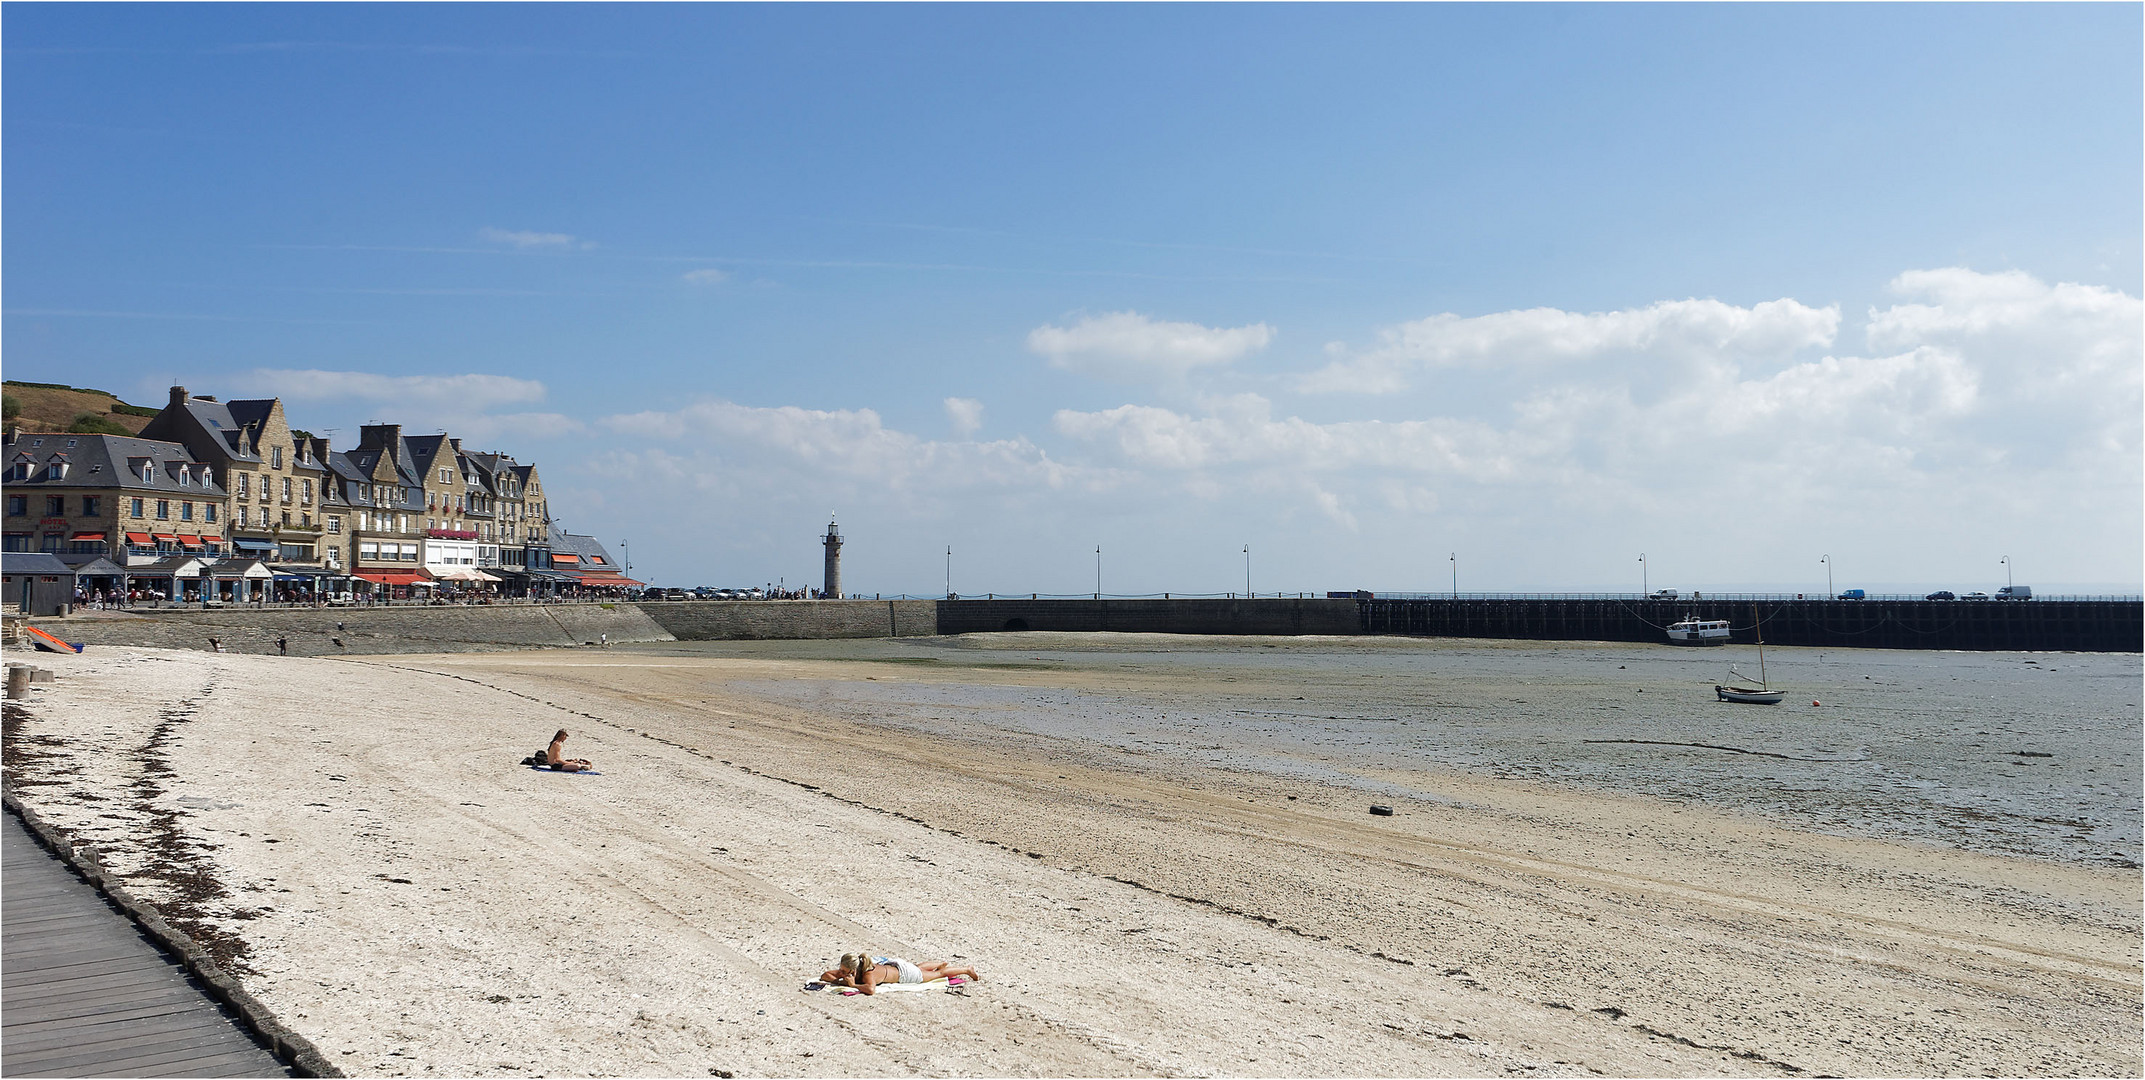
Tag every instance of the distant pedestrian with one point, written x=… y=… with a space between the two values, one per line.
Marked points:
x=215 y=645
x=283 y=646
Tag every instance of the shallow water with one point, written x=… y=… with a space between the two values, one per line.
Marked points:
x=2035 y=754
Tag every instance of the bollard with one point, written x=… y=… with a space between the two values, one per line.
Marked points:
x=18 y=682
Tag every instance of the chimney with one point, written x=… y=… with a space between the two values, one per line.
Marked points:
x=206 y=397
x=386 y=437
x=178 y=395
x=456 y=443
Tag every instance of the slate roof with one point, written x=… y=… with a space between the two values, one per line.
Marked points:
x=100 y=461
x=34 y=562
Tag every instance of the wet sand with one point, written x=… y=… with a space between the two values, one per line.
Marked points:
x=1202 y=892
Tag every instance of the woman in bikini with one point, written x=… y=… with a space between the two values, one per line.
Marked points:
x=555 y=756
x=864 y=971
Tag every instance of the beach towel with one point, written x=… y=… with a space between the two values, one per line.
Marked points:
x=562 y=772
x=955 y=983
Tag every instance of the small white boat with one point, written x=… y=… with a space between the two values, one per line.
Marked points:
x=1761 y=694
x=1695 y=631
x=1750 y=695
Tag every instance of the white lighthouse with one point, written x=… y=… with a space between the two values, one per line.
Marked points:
x=833 y=540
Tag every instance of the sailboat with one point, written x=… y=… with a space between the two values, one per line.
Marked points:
x=1761 y=694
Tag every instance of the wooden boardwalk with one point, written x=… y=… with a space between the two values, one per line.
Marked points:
x=84 y=993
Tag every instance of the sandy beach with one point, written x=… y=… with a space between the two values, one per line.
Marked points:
x=1152 y=878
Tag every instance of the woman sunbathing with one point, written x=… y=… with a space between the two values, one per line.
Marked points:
x=555 y=756
x=865 y=972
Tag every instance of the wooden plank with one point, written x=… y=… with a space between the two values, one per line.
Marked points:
x=86 y=993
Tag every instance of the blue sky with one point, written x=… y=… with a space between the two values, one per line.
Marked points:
x=1362 y=287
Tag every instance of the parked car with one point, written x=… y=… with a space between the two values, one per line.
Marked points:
x=1663 y=594
x=1977 y=596
x=1854 y=594
x=2015 y=592
x=1940 y=595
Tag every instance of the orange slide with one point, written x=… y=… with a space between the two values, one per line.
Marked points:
x=49 y=643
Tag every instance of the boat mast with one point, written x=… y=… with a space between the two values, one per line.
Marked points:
x=1759 y=626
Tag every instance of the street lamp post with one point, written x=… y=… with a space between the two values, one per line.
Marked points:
x=2006 y=560
x=1098 y=571
x=1645 y=586
x=1247 y=571
x=949 y=571
x=1454 y=558
x=627 y=549
x=1827 y=560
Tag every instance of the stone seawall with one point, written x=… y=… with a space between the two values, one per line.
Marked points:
x=1276 y=616
x=727 y=620
x=314 y=631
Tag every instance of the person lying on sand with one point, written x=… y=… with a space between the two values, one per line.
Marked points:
x=555 y=755
x=864 y=971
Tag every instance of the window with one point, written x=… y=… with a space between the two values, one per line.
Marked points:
x=286 y=489
x=134 y=508
x=208 y=511
x=52 y=544
x=163 y=509
x=18 y=506
x=275 y=458
x=92 y=506
x=55 y=506
x=16 y=542
x=70 y=444
x=446 y=477
x=409 y=553
x=286 y=517
x=368 y=550
x=305 y=518
x=242 y=492
x=186 y=511
x=56 y=469
x=308 y=490
x=186 y=476
x=238 y=516
x=335 y=524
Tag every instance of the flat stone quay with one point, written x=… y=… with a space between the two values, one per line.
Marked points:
x=84 y=993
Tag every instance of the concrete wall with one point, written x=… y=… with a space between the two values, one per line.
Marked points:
x=723 y=620
x=313 y=632
x=1283 y=617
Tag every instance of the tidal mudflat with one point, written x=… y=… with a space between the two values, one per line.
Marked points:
x=1157 y=850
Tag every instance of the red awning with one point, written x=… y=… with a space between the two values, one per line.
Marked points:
x=140 y=538
x=603 y=580
x=87 y=536
x=560 y=556
x=392 y=578
x=166 y=538
x=189 y=540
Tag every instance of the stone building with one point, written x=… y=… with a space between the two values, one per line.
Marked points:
x=387 y=504
x=273 y=477
x=131 y=511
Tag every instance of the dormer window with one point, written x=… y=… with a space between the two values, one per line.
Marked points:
x=56 y=468
x=21 y=468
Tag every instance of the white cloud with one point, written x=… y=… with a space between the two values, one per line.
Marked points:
x=526 y=240
x=1126 y=346
x=851 y=447
x=1995 y=392
x=965 y=414
x=1682 y=331
x=470 y=391
x=707 y=275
